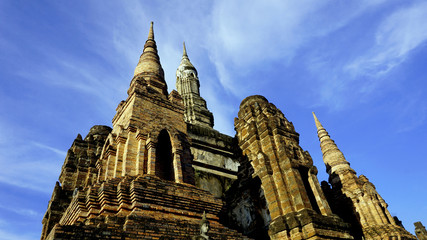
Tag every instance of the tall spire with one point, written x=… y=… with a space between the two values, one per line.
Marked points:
x=332 y=156
x=149 y=65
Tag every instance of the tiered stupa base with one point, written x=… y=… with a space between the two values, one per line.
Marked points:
x=143 y=207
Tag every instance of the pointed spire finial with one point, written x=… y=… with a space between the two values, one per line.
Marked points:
x=185 y=51
x=332 y=156
x=318 y=124
x=149 y=64
x=185 y=61
x=151 y=32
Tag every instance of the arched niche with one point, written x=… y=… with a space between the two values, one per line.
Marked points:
x=164 y=157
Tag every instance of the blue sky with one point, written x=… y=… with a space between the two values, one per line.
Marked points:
x=360 y=65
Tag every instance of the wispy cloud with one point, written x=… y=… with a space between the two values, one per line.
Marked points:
x=66 y=71
x=349 y=73
x=270 y=31
x=43 y=146
x=411 y=112
x=396 y=37
x=32 y=165
x=22 y=211
x=36 y=175
x=96 y=68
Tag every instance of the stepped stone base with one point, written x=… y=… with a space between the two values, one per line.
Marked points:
x=144 y=207
x=140 y=224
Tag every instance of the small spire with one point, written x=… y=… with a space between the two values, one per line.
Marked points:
x=151 y=32
x=185 y=51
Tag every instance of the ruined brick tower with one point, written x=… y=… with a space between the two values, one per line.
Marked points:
x=163 y=172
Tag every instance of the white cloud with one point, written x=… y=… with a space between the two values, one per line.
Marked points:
x=396 y=37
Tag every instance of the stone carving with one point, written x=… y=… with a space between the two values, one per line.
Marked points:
x=204 y=228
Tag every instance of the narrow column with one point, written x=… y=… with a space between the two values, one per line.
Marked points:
x=317 y=190
x=177 y=166
x=129 y=155
x=151 y=163
x=140 y=156
x=120 y=141
x=111 y=160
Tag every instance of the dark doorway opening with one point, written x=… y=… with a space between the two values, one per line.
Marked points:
x=164 y=157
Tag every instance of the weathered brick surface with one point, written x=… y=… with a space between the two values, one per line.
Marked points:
x=141 y=207
x=125 y=194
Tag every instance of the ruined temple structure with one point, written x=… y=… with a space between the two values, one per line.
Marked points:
x=163 y=172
